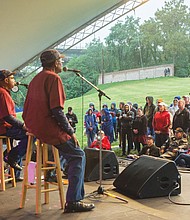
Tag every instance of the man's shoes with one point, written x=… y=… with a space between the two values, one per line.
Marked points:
x=71 y=207
x=51 y=179
x=12 y=163
x=19 y=179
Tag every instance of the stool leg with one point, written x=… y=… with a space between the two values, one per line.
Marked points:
x=12 y=173
x=2 y=166
x=46 y=184
x=59 y=177
x=25 y=181
x=38 y=177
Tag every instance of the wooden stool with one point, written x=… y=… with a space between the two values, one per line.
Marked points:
x=5 y=177
x=42 y=156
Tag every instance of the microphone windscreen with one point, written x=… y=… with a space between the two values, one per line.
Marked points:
x=65 y=68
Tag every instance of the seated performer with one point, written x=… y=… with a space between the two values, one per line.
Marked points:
x=44 y=117
x=10 y=125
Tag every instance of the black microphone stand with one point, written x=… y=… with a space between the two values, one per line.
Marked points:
x=100 y=190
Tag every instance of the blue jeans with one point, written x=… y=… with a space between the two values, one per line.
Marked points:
x=75 y=158
x=150 y=131
x=16 y=154
x=19 y=151
x=183 y=160
x=160 y=139
x=90 y=138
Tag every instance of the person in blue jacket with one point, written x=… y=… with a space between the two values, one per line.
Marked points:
x=113 y=111
x=91 y=126
x=107 y=124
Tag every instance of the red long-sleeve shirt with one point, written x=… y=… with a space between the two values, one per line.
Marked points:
x=105 y=144
x=161 y=122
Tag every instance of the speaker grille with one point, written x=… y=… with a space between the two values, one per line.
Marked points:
x=110 y=166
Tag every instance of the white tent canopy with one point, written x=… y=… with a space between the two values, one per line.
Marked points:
x=28 y=27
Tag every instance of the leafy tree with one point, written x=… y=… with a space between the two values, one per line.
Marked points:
x=150 y=43
x=123 y=44
x=90 y=65
x=166 y=38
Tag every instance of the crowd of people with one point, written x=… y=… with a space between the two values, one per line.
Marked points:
x=155 y=129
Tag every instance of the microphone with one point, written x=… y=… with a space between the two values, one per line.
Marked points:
x=72 y=70
x=21 y=84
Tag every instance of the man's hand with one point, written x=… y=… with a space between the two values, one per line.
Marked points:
x=175 y=150
x=73 y=136
x=24 y=127
x=162 y=149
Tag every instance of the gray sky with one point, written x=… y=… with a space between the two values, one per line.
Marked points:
x=148 y=9
x=144 y=12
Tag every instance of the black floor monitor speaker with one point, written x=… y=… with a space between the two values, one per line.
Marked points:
x=149 y=177
x=110 y=166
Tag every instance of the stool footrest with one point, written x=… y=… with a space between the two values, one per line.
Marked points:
x=49 y=190
x=50 y=162
x=9 y=179
x=34 y=185
x=48 y=168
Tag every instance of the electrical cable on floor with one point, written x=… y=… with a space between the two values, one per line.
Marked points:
x=177 y=203
x=108 y=182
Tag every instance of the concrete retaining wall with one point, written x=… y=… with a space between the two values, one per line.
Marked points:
x=137 y=74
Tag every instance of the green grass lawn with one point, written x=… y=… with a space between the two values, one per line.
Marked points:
x=134 y=91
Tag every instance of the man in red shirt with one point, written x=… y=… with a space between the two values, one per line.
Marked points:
x=44 y=117
x=9 y=124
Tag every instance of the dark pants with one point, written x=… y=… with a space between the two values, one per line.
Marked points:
x=138 y=145
x=90 y=137
x=127 y=133
x=75 y=158
x=16 y=154
x=115 y=130
x=19 y=151
x=183 y=160
x=5 y=155
x=160 y=139
x=150 y=131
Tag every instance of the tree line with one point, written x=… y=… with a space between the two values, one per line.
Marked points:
x=163 y=39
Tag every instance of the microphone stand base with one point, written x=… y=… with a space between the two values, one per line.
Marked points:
x=102 y=191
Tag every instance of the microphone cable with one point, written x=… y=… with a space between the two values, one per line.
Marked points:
x=169 y=196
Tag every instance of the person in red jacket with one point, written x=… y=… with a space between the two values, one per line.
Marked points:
x=161 y=124
x=105 y=142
